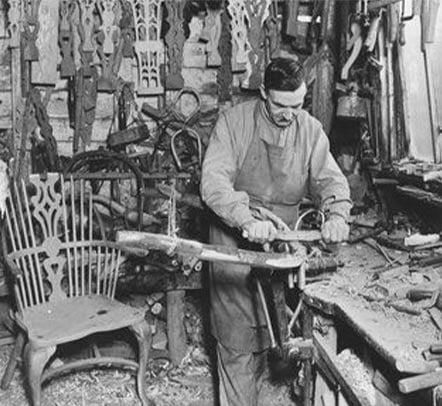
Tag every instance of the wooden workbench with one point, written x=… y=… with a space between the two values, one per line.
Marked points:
x=347 y=297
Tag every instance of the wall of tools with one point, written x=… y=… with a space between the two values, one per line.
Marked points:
x=125 y=92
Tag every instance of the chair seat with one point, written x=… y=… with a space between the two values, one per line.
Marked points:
x=74 y=318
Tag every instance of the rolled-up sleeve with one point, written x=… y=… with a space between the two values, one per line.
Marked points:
x=327 y=182
x=219 y=172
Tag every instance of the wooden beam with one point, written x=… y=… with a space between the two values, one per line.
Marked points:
x=176 y=335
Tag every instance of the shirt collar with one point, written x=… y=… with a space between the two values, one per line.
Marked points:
x=269 y=131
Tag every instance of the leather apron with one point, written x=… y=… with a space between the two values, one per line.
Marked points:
x=276 y=178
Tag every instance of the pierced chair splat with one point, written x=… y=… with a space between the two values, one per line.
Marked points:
x=64 y=279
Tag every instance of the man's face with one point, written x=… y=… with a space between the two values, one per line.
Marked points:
x=284 y=105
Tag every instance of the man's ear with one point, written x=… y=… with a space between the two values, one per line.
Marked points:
x=262 y=92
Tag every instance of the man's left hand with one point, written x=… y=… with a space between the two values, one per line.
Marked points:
x=335 y=229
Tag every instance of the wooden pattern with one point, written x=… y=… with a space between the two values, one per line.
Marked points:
x=272 y=33
x=127 y=26
x=65 y=277
x=354 y=43
x=194 y=50
x=87 y=9
x=225 y=75
x=14 y=22
x=240 y=42
x=149 y=48
x=109 y=26
x=213 y=24
x=44 y=71
x=31 y=26
x=110 y=50
x=174 y=44
x=66 y=39
x=257 y=12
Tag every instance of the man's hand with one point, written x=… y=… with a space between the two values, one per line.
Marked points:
x=259 y=231
x=335 y=229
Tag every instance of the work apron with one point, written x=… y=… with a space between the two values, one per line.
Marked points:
x=276 y=178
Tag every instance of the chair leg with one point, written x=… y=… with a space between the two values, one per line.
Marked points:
x=143 y=334
x=35 y=361
x=16 y=353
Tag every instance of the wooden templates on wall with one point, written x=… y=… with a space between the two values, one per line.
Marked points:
x=149 y=47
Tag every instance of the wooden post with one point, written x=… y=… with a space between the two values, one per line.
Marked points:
x=176 y=334
x=307 y=332
x=280 y=309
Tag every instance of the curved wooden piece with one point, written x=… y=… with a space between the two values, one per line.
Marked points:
x=355 y=44
x=143 y=335
x=35 y=361
x=140 y=242
x=13 y=359
x=89 y=363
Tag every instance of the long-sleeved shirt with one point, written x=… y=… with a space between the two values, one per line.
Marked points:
x=229 y=143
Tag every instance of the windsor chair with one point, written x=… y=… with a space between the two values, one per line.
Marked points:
x=64 y=280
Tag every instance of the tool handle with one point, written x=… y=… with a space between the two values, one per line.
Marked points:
x=419 y=382
x=415 y=295
x=416 y=367
x=436 y=348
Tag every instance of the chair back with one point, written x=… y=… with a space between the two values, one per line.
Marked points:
x=53 y=244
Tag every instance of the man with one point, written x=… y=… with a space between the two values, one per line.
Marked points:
x=267 y=153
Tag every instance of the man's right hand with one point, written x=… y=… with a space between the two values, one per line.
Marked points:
x=259 y=231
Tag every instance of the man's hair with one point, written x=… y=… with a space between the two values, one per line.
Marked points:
x=283 y=74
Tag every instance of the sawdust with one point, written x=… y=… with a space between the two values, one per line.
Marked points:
x=115 y=387
x=357 y=376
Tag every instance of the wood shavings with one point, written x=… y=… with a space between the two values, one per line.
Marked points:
x=357 y=376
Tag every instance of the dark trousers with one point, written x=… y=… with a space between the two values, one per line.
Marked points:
x=241 y=376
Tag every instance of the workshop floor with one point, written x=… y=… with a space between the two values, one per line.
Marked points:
x=189 y=385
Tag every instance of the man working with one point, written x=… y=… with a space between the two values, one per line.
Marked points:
x=268 y=153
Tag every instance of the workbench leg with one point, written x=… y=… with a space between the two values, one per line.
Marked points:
x=176 y=334
x=278 y=290
x=307 y=333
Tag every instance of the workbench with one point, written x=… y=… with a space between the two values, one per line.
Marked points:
x=349 y=303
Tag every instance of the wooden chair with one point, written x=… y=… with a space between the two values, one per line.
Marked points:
x=64 y=280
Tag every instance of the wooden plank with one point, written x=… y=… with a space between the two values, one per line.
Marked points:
x=175 y=327
x=324 y=393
